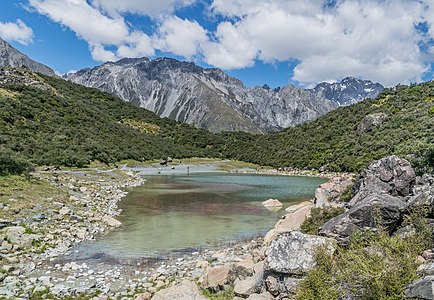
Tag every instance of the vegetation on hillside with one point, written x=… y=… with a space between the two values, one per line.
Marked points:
x=331 y=142
x=71 y=125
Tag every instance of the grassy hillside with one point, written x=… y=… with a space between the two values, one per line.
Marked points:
x=331 y=141
x=50 y=121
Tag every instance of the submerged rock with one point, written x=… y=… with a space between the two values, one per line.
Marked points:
x=272 y=204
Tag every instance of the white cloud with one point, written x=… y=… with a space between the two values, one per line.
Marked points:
x=369 y=39
x=372 y=39
x=87 y=22
x=233 y=49
x=181 y=37
x=99 y=53
x=17 y=31
x=137 y=44
x=141 y=7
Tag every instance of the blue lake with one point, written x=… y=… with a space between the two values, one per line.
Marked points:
x=176 y=214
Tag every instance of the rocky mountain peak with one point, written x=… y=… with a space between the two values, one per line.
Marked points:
x=11 y=57
x=214 y=100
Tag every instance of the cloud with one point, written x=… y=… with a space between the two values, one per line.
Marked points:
x=17 y=31
x=141 y=7
x=87 y=22
x=372 y=39
x=369 y=39
x=181 y=37
x=99 y=53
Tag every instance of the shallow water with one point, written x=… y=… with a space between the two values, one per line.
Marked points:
x=173 y=214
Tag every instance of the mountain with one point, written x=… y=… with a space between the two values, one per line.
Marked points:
x=11 y=57
x=50 y=121
x=213 y=100
x=399 y=121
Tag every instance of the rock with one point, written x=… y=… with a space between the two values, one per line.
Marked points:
x=247 y=286
x=65 y=211
x=186 y=290
x=112 y=222
x=293 y=220
x=293 y=252
x=376 y=210
x=291 y=284
x=263 y=296
x=423 y=192
x=421 y=289
x=216 y=277
x=272 y=203
x=390 y=175
x=13 y=234
x=426 y=269
x=272 y=284
x=327 y=193
x=370 y=122
x=144 y=296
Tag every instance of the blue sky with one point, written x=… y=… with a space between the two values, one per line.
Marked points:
x=272 y=42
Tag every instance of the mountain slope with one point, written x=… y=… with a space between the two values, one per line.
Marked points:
x=11 y=57
x=399 y=121
x=214 y=100
x=47 y=120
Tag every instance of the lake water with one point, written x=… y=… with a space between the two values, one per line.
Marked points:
x=178 y=214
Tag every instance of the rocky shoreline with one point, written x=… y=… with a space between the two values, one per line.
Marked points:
x=269 y=267
x=34 y=248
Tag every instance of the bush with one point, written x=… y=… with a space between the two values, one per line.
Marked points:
x=12 y=165
x=318 y=217
x=373 y=266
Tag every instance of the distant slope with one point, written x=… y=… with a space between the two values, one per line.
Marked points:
x=48 y=120
x=11 y=57
x=216 y=101
x=400 y=121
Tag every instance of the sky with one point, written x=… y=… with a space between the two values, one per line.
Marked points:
x=274 y=42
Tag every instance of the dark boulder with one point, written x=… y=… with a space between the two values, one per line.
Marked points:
x=373 y=211
x=391 y=175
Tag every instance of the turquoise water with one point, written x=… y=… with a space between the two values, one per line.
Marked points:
x=172 y=214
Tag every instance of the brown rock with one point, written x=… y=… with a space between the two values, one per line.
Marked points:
x=216 y=277
x=186 y=290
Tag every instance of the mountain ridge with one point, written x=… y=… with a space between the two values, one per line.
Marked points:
x=214 y=100
x=11 y=57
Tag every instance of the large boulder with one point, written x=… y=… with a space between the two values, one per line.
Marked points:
x=390 y=175
x=186 y=290
x=374 y=211
x=294 y=252
x=421 y=289
x=327 y=193
x=370 y=122
x=291 y=221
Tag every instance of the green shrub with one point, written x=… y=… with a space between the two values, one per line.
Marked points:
x=318 y=217
x=373 y=266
